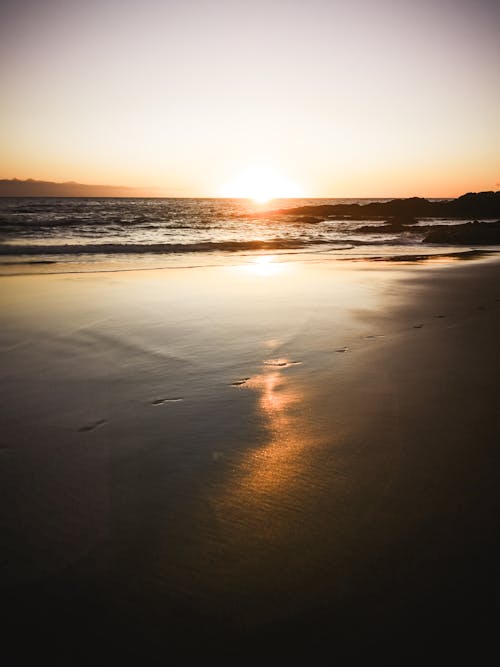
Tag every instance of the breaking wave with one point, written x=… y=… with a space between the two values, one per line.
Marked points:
x=168 y=248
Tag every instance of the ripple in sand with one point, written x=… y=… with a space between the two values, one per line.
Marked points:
x=161 y=401
x=342 y=349
x=92 y=426
x=374 y=336
x=418 y=326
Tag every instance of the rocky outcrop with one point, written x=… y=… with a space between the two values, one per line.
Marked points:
x=470 y=205
x=472 y=233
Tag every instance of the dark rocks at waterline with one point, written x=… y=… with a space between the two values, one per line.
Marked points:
x=412 y=207
x=478 y=204
x=471 y=233
x=397 y=224
x=472 y=204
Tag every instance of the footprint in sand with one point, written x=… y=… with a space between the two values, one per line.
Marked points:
x=239 y=383
x=374 y=336
x=161 y=401
x=92 y=426
x=281 y=363
x=439 y=316
x=342 y=349
x=418 y=326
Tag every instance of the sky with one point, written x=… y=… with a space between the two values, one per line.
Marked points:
x=366 y=98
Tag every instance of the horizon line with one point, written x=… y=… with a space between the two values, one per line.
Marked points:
x=155 y=189
x=47 y=196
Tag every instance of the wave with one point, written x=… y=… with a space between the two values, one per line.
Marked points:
x=167 y=248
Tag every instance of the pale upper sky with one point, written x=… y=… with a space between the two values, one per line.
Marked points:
x=344 y=99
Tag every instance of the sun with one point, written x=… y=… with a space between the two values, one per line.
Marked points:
x=260 y=184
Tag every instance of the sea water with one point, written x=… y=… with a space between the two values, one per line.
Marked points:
x=42 y=234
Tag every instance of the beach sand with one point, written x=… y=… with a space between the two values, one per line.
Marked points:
x=270 y=458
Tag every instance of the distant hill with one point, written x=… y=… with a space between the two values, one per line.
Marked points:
x=30 y=188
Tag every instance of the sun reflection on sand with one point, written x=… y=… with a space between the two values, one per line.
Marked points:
x=274 y=466
x=277 y=466
x=255 y=509
x=264 y=266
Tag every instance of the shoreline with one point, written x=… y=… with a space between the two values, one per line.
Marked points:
x=174 y=261
x=281 y=455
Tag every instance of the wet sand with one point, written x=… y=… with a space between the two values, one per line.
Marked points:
x=270 y=459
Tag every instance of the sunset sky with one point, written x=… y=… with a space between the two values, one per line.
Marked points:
x=361 y=98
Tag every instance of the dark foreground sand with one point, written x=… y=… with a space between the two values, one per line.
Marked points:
x=251 y=463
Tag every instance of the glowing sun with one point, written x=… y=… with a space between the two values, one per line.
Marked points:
x=261 y=184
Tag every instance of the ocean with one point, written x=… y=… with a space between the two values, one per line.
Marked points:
x=54 y=234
